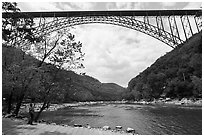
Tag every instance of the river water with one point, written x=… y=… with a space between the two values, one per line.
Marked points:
x=145 y=119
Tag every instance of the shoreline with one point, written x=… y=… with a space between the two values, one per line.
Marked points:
x=173 y=102
x=88 y=130
x=183 y=102
x=105 y=128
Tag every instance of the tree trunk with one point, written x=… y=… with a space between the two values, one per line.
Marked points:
x=22 y=95
x=41 y=110
x=10 y=102
x=18 y=105
x=41 y=62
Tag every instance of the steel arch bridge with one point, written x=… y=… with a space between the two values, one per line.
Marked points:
x=172 y=27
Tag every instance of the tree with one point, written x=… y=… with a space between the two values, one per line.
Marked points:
x=156 y=83
x=16 y=26
x=16 y=73
x=58 y=48
x=196 y=64
x=197 y=82
x=46 y=91
x=68 y=54
x=179 y=89
x=146 y=92
x=63 y=52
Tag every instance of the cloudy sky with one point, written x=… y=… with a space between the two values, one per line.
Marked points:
x=113 y=54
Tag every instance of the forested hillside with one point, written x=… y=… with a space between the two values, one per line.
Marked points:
x=17 y=67
x=177 y=74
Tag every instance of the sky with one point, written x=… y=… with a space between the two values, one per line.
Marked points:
x=114 y=54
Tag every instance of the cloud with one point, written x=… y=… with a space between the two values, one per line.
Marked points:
x=83 y=6
x=169 y=4
x=76 y=5
x=64 y=6
x=117 y=54
x=193 y=5
x=38 y=6
x=56 y=6
x=124 y=5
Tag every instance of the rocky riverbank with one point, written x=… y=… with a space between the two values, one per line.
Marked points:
x=161 y=101
x=13 y=126
x=118 y=129
x=168 y=101
x=165 y=101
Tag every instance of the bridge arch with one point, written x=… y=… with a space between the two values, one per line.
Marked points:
x=123 y=21
x=126 y=18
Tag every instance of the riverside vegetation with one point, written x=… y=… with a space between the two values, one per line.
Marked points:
x=27 y=77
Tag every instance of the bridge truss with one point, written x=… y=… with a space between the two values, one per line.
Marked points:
x=172 y=27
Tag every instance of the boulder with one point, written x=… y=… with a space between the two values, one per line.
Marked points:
x=88 y=126
x=118 y=127
x=130 y=130
x=77 y=125
x=64 y=125
x=106 y=128
x=41 y=121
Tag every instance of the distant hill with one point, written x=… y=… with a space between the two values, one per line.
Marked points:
x=84 y=88
x=77 y=87
x=177 y=74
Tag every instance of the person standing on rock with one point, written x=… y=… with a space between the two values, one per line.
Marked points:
x=31 y=113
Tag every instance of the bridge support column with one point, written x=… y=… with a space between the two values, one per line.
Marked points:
x=160 y=25
x=186 y=26
x=198 y=22
x=173 y=27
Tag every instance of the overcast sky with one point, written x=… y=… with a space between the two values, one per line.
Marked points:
x=114 y=54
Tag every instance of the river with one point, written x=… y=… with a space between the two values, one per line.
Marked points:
x=145 y=119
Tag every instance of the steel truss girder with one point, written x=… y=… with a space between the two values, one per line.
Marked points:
x=157 y=32
x=198 y=22
x=173 y=27
x=186 y=26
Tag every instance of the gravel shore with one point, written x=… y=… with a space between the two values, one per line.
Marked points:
x=12 y=126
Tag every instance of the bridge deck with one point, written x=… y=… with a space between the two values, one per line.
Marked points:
x=197 y=12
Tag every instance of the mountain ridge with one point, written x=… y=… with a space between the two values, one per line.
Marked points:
x=173 y=75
